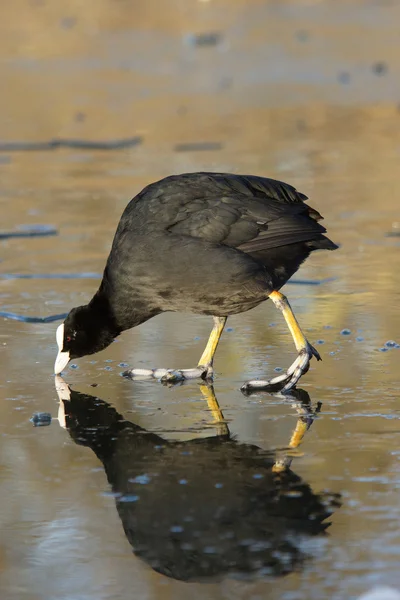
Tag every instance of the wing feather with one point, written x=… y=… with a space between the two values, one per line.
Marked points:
x=241 y=211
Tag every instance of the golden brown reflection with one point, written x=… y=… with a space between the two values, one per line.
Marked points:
x=206 y=507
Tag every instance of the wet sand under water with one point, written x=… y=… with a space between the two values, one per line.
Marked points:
x=299 y=99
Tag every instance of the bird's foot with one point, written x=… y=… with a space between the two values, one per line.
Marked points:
x=288 y=380
x=168 y=376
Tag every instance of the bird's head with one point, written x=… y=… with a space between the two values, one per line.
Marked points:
x=83 y=332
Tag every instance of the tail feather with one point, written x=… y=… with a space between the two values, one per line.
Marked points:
x=322 y=243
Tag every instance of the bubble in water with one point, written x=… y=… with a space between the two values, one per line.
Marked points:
x=129 y=498
x=383 y=349
x=390 y=344
x=345 y=332
x=142 y=479
x=187 y=546
x=188 y=519
x=344 y=77
x=294 y=493
x=176 y=529
x=302 y=35
x=40 y=419
x=320 y=342
x=359 y=339
x=210 y=550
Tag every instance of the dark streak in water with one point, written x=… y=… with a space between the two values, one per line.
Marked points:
x=310 y=281
x=27 y=232
x=50 y=275
x=212 y=38
x=198 y=146
x=56 y=143
x=25 y=319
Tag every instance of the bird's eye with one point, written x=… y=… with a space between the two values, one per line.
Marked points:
x=68 y=338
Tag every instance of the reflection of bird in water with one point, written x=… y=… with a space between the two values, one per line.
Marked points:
x=204 y=507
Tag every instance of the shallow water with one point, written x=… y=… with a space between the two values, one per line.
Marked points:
x=285 y=89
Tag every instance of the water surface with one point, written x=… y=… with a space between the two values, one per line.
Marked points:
x=289 y=90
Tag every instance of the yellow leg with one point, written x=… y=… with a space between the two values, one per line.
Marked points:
x=207 y=357
x=298 y=336
x=204 y=369
x=305 y=351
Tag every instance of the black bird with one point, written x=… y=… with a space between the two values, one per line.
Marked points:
x=208 y=243
x=206 y=507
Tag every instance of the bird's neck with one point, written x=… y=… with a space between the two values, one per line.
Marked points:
x=101 y=313
x=125 y=307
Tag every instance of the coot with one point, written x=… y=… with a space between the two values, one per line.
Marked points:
x=208 y=243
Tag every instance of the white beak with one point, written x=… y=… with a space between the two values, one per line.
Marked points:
x=61 y=362
x=62 y=357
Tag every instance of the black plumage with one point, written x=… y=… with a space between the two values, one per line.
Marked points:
x=207 y=243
